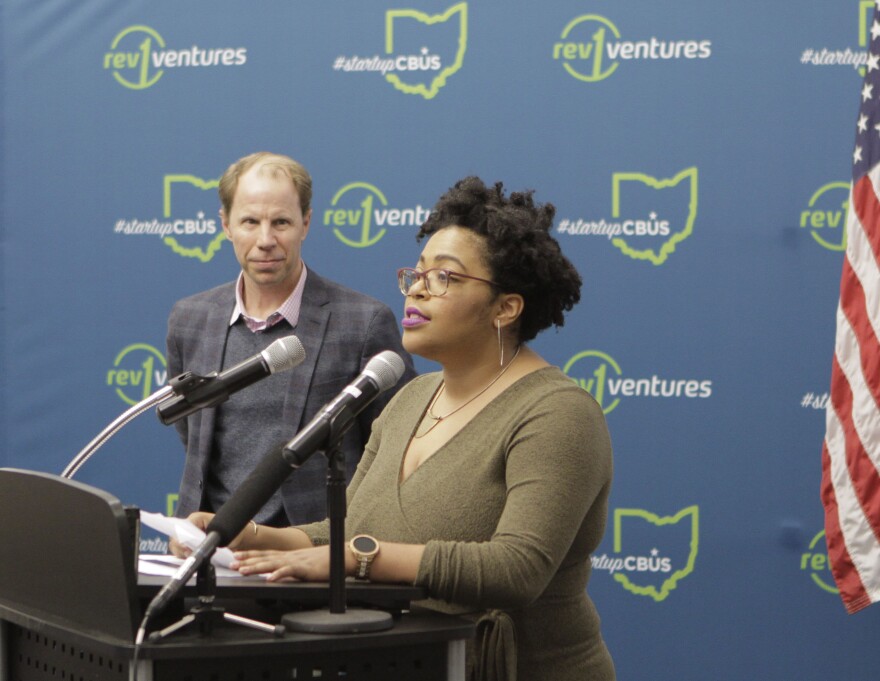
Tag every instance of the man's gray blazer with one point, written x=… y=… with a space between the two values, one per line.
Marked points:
x=340 y=330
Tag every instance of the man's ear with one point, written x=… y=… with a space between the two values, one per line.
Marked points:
x=225 y=223
x=307 y=220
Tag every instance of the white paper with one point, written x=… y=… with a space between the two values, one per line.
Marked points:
x=187 y=535
x=166 y=566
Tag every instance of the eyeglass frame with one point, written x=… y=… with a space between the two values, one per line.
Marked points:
x=422 y=275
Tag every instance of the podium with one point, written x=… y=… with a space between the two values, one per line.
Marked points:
x=71 y=603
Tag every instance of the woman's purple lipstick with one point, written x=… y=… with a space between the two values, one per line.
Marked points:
x=413 y=318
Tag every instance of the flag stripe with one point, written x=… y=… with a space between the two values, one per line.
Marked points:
x=848 y=531
x=867 y=207
x=845 y=574
x=863 y=255
x=856 y=465
x=863 y=243
x=863 y=339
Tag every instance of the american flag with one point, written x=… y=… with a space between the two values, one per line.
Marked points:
x=851 y=451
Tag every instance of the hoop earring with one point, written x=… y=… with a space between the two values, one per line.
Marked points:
x=500 y=344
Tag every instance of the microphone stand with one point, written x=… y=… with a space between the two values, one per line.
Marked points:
x=206 y=614
x=183 y=385
x=337 y=619
x=114 y=427
x=324 y=434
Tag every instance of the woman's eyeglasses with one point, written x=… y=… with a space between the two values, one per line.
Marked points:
x=436 y=279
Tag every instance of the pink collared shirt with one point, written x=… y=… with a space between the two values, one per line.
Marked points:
x=288 y=310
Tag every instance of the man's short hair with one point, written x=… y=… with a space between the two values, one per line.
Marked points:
x=274 y=163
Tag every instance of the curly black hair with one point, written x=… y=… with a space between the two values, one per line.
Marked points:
x=521 y=253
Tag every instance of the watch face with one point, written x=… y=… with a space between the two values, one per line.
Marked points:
x=364 y=544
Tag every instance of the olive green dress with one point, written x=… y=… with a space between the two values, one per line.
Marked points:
x=509 y=511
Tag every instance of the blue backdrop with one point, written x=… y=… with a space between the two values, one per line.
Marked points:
x=698 y=155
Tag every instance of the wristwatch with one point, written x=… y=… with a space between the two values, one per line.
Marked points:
x=365 y=548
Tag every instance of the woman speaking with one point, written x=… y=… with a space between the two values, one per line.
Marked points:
x=488 y=481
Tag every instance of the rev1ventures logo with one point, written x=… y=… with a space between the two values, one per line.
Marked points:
x=421 y=50
x=815 y=562
x=359 y=215
x=601 y=376
x=590 y=48
x=138 y=371
x=186 y=230
x=825 y=216
x=138 y=57
x=650 y=217
x=652 y=553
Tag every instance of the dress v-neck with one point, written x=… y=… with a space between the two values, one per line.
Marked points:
x=489 y=406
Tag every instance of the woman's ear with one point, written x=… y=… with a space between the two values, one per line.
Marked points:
x=509 y=308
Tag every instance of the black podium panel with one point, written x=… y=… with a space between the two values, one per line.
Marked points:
x=425 y=662
x=35 y=655
x=420 y=647
x=70 y=604
x=69 y=550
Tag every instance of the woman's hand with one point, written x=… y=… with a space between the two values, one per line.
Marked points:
x=200 y=519
x=307 y=565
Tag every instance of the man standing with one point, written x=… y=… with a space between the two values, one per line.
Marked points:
x=265 y=210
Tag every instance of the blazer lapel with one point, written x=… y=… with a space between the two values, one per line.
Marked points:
x=314 y=315
x=216 y=326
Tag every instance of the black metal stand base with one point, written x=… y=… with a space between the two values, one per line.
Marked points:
x=206 y=618
x=352 y=621
x=207 y=615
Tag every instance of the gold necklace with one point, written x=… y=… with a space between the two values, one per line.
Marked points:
x=438 y=419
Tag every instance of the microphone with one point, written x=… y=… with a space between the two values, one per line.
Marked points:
x=198 y=392
x=381 y=372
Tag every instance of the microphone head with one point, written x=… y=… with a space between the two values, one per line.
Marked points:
x=387 y=367
x=284 y=354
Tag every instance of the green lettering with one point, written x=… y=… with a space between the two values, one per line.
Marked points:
x=597 y=384
x=148 y=376
x=367 y=205
x=818 y=561
x=145 y=61
x=817 y=219
x=599 y=39
x=805 y=215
